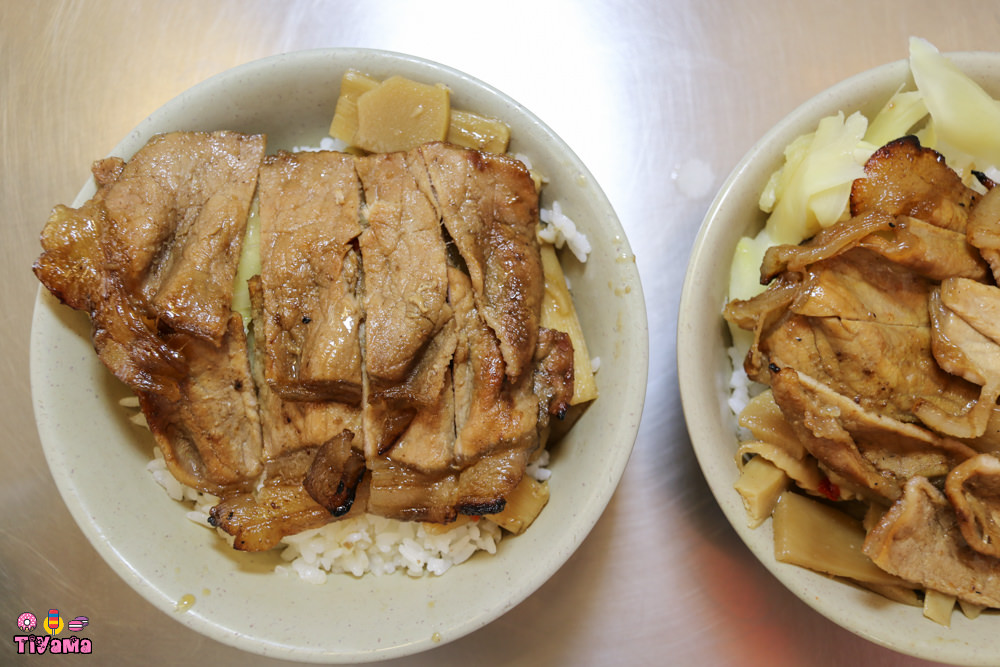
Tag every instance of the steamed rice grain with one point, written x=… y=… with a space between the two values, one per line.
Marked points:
x=560 y=230
x=363 y=544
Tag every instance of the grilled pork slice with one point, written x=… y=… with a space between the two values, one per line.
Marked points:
x=176 y=215
x=73 y=268
x=554 y=376
x=309 y=216
x=905 y=179
x=491 y=410
x=964 y=335
x=405 y=260
x=489 y=205
x=407 y=342
x=465 y=453
x=933 y=252
x=395 y=413
x=307 y=443
x=859 y=324
x=866 y=452
x=974 y=491
x=919 y=540
x=400 y=492
x=195 y=389
x=210 y=434
x=290 y=426
x=334 y=475
x=259 y=521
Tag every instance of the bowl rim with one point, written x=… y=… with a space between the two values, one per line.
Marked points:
x=588 y=512
x=710 y=426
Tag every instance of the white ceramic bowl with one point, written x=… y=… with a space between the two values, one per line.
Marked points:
x=704 y=371
x=98 y=459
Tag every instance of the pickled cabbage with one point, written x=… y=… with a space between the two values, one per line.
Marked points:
x=965 y=119
x=811 y=190
x=898 y=117
x=948 y=112
x=249 y=265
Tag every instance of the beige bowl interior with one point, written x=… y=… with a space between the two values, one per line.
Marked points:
x=98 y=459
x=704 y=372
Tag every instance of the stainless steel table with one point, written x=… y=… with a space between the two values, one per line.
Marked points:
x=659 y=98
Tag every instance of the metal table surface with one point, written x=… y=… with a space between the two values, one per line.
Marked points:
x=659 y=98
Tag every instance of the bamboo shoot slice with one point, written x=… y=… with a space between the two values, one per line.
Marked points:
x=399 y=114
x=523 y=504
x=938 y=607
x=559 y=313
x=760 y=485
x=353 y=84
x=479 y=132
x=818 y=537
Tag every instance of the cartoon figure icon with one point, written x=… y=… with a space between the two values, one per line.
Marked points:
x=53 y=623
x=78 y=623
x=27 y=621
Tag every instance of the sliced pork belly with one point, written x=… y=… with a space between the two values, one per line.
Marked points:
x=405 y=260
x=210 y=434
x=195 y=389
x=861 y=286
x=491 y=411
x=905 y=179
x=310 y=217
x=489 y=205
x=919 y=540
x=930 y=251
x=974 y=491
x=873 y=455
x=74 y=269
x=934 y=252
x=408 y=342
x=963 y=340
x=176 y=215
x=983 y=230
x=860 y=325
x=829 y=242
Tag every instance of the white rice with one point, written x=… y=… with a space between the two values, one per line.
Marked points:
x=560 y=230
x=363 y=544
x=376 y=545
